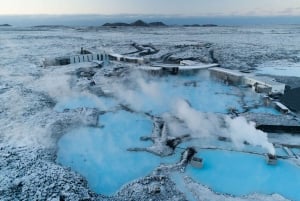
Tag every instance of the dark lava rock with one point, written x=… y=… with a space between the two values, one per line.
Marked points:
x=198 y=25
x=5 y=25
x=139 y=23
x=192 y=25
x=117 y=24
x=85 y=72
x=158 y=188
x=158 y=24
x=209 y=25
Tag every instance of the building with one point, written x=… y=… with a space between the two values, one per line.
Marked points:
x=271 y=159
x=88 y=58
x=264 y=84
x=259 y=84
x=282 y=108
x=170 y=68
x=197 y=162
x=84 y=56
x=228 y=76
x=292 y=99
x=151 y=70
x=119 y=57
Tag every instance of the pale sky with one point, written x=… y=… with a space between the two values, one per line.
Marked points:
x=156 y=7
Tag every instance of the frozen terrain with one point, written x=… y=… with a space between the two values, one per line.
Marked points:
x=66 y=135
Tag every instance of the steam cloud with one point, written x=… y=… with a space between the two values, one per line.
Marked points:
x=198 y=124
x=238 y=129
x=143 y=93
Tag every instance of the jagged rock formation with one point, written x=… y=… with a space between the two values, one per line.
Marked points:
x=138 y=23
x=5 y=25
x=163 y=144
x=143 y=50
x=198 y=25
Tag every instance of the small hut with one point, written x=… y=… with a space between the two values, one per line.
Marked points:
x=271 y=159
x=197 y=162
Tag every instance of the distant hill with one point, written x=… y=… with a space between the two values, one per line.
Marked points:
x=138 y=23
x=5 y=25
x=158 y=24
x=116 y=24
x=209 y=25
x=51 y=26
x=198 y=25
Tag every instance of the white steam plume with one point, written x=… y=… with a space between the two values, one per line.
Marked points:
x=238 y=129
x=200 y=124
x=137 y=98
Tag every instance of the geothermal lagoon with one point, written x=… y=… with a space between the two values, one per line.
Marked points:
x=100 y=153
x=124 y=130
x=242 y=174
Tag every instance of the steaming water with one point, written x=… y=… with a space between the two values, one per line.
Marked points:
x=242 y=174
x=157 y=95
x=100 y=155
x=202 y=93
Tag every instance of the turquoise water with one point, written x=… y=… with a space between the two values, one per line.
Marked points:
x=100 y=154
x=267 y=110
x=281 y=152
x=242 y=174
x=200 y=91
x=296 y=151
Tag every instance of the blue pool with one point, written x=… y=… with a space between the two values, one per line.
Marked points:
x=159 y=95
x=199 y=91
x=100 y=155
x=242 y=174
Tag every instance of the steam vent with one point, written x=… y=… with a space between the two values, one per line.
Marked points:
x=197 y=162
x=271 y=159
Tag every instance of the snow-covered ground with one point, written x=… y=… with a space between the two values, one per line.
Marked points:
x=65 y=136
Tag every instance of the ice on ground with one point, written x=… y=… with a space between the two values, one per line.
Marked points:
x=280 y=68
x=243 y=174
x=179 y=181
x=101 y=103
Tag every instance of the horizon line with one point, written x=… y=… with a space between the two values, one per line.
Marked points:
x=145 y=15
